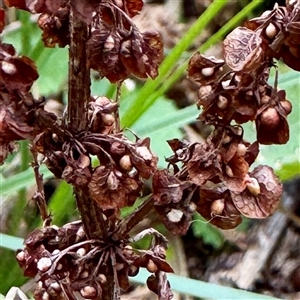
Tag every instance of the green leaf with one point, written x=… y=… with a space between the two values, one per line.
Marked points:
x=209 y=234
x=289 y=170
x=62 y=204
x=201 y=289
x=10 y=242
x=22 y=180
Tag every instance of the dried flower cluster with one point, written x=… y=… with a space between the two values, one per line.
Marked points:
x=212 y=177
x=66 y=265
x=215 y=177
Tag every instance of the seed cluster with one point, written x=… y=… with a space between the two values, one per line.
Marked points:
x=212 y=177
x=66 y=265
x=215 y=177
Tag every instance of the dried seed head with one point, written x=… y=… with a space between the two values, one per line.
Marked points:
x=204 y=91
x=8 y=68
x=225 y=83
x=144 y=152
x=287 y=106
x=253 y=186
x=56 y=286
x=217 y=207
x=125 y=163
x=270 y=117
x=271 y=31
x=222 y=102
x=109 y=44
x=241 y=150
x=84 y=274
x=133 y=270
x=112 y=181
x=102 y=278
x=227 y=139
x=151 y=266
x=175 y=215
x=21 y=256
x=44 y=264
x=80 y=233
x=128 y=250
x=107 y=119
x=265 y=99
x=192 y=207
x=45 y=296
x=102 y=101
x=229 y=171
x=207 y=71
x=81 y=252
x=88 y=292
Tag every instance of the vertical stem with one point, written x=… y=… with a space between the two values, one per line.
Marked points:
x=79 y=75
x=77 y=121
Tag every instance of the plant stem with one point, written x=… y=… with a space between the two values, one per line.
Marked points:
x=78 y=99
x=77 y=121
x=79 y=75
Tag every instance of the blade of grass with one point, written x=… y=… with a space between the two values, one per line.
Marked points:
x=21 y=180
x=134 y=111
x=142 y=103
x=174 y=119
x=10 y=242
x=196 y=288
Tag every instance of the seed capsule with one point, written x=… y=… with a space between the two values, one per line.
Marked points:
x=44 y=264
x=217 y=207
x=204 y=91
x=8 y=68
x=21 y=256
x=175 y=215
x=144 y=152
x=107 y=119
x=102 y=278
x=229 y=171
x=88 y=292
x=270 y=117
x=287 y=105
x=125 y=163
x=222 y=102
x=241 y=150
x=81 y=252
x=207 y=72
x=271 y=31
x=151 y=266
x=253 y=186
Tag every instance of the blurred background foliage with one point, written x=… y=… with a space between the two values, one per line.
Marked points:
x=145 y=108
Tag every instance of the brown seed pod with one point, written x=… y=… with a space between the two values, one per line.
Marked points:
x=151 y=266
x=271 y=31
x=88 y=292
x=125 y=163
x=270 y=117
x=217 y=207
x=287 y=106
